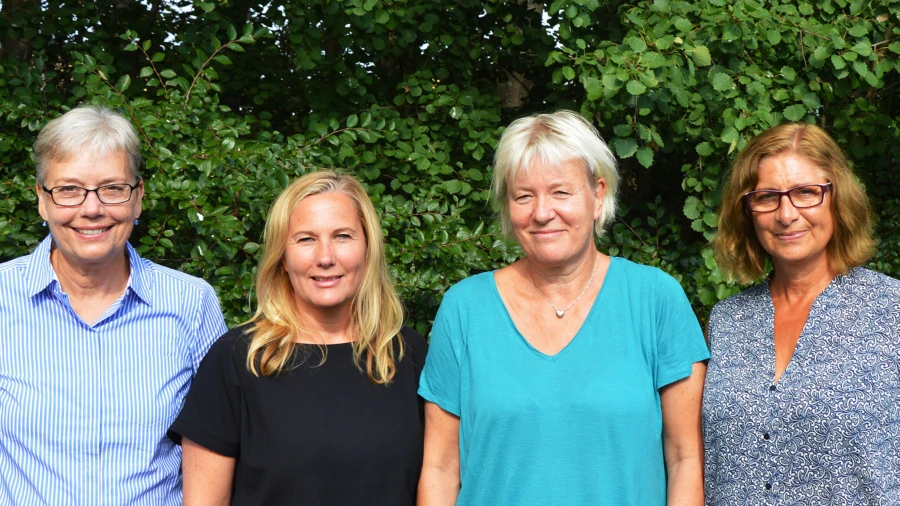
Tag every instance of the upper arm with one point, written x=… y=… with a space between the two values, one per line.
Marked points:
x=680 y=403
x=208 y=476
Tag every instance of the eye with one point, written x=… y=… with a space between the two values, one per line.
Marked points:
x=306 y=239
x=344 y=235
x=765 y=196
x=561 y=193
x=523 y=199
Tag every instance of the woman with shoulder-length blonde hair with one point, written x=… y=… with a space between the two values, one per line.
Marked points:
x=800 y=402
x=313 y=401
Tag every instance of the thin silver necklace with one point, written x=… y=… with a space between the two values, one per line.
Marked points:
x=562 y=312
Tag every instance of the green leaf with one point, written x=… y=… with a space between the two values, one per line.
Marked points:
x=701 y=57
x=858 y=31
x=645 y=156
x=568 y=73
x=352 y=120
x=774 y=37
x=593 y=87
x=637 y=44
x=837 y=62
x=704 y=149
x=221 y=58
x=691 y=210
x=168 y=73
x=625 y=147
x=795 y=112
x=722 y=82
x=635 y=87
x=789 y=73
x=453 y=186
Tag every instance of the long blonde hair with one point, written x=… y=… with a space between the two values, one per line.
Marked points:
x=376 y=313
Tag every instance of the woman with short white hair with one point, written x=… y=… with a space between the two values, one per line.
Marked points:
x=568 y=377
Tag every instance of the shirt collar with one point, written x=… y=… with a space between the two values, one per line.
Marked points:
x=40 y=274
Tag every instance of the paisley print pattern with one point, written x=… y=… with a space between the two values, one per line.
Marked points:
x=828 y=432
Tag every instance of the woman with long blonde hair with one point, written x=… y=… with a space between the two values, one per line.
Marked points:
x=313 y=401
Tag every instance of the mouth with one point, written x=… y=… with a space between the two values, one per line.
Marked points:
x=91 y=231
x=326 y=281
x=789 y=236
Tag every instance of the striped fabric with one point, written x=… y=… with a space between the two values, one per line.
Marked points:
x=84 y=409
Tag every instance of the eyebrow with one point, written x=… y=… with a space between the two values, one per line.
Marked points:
x=71 y=181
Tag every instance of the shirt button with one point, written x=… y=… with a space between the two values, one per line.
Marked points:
x=766 y=436
x=768 y=486
x=772 y=388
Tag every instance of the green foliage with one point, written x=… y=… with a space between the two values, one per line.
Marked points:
x=235 y=99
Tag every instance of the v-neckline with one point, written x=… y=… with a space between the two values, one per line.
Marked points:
x=587 y=318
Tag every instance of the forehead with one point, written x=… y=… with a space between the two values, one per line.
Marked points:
x=89 y=169
x=326 y=210
x=568 y=172
x=788 y=169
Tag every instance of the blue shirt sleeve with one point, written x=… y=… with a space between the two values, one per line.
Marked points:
x=440 y=380
x=680 y=341
x=210 y=325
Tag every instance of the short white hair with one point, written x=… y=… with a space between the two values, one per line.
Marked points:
x=92 y=129
x=555 y=138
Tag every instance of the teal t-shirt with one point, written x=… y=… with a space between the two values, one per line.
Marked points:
x=582 y=427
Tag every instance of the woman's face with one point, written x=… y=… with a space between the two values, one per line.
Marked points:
x=552 y=210
x=93 y=234
x=325 y=254
x=792 y=236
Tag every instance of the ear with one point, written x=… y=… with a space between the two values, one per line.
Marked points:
x=139 y=199
x=599 y=194
x=43 y=198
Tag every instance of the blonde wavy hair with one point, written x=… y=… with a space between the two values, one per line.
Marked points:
x=738 y=251
x=376 y=311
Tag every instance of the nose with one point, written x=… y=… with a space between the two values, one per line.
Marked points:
x=324 y=254
x=91 y=205
x=543 y=209
x=786 y=212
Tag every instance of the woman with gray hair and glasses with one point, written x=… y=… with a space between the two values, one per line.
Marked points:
x=568 y=377
x=98 y=346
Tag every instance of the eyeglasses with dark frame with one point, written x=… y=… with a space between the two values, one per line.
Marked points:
x=802 y=197
x=72 y=196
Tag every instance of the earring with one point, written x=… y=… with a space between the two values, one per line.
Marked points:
x=43 y=223
x=136 y=222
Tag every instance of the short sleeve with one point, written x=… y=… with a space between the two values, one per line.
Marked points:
x=680 y=341
x=209 y=326
x=440 y=380
x=211 y=413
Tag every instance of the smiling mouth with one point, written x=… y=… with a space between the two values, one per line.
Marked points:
x=325 y=278
x=91 y=231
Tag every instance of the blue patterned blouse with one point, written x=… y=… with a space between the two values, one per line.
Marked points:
x=828 y=432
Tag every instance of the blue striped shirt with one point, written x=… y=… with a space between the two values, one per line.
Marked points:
x=84 y=409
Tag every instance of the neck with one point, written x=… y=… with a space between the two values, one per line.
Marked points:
x=327 y=327
x=90 y=281
x=800 y=283
x=568 y=281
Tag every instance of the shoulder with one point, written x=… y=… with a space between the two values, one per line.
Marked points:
x=15 y=267
x=413 y=340
x=231 y=346
x=865 y=279
x=415 y=345
x=168 y=277
x=651 y=282
x=473 y=285
x=747 y=302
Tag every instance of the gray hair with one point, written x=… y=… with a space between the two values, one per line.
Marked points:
x=92 y=129
x=555 y=138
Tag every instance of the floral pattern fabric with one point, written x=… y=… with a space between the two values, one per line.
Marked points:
x=828 y=432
